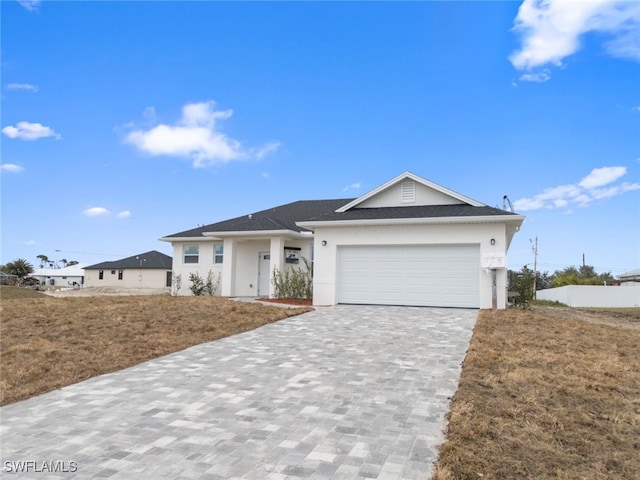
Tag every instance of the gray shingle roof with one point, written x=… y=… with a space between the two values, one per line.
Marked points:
x=426 y=211
x=285 y=217
x=152 y=259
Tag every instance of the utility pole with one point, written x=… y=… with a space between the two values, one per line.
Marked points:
x=535 y=265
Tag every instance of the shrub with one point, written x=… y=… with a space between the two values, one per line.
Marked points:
x=523 y=286
x=294 y=282
x=197 y=284
x=213 y=283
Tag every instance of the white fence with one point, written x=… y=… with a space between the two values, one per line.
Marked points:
x=593 y=295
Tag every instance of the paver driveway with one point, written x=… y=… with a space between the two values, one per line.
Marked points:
x=344 y=392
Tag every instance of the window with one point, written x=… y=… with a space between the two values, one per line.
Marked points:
x=113 y=272
x=218 y=253
x=100 y=274
x=120 y=274
x=191 y=253
x=168 y=283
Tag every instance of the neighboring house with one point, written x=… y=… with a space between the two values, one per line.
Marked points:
x=629 y=278
x=71 y=276
x=407 y=242
x=146 y=270
x=7 y=278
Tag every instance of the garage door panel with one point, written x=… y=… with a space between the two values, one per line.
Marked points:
x=440 y=275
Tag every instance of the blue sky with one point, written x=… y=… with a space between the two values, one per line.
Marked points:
x=123 y=122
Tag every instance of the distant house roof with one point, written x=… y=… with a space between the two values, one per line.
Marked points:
x=147 y=260
x=76 y=270
x=3 y=274
x=286 y=217
x=630 y=275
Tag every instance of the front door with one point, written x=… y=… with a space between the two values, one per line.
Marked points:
x=264 y=277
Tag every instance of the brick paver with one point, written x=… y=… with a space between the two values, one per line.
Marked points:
x=343 y=392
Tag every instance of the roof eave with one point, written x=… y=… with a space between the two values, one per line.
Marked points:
x=517 y=219
x=257 y=233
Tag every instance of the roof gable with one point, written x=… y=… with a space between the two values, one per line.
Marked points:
x=409 y=189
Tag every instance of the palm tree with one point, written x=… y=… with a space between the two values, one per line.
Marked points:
x=19 y=267
x=44 y=260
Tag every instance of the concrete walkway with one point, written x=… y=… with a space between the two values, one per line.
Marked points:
x=343 y=392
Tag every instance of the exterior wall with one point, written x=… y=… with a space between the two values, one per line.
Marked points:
x=58 y=281
x=239 y=271
x=392 y=197
x=131 y=278
x=593 y=295
x=203 y=267
x=325 y=265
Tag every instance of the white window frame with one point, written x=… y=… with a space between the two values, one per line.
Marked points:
x=186 y=254
x=218 y=258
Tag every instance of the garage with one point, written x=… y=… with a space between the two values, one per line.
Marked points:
x=416 y=275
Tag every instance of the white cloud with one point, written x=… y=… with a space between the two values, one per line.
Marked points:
x=96 y=212
x=582 y=193
x=124 y=214
x=539 y=77
x=11 y=168
x=353 y=186
x=30 y=131
x=196 y=136
x=22 y=86
x=31 y=5
x=551 y=30
x=602 y=176
x=30 y=242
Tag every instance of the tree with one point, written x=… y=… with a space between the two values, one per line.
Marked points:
x=64 y=262
x=44 y=260
x=522 y=283
x=71 y=263
x=19 y=267
x=585 y=275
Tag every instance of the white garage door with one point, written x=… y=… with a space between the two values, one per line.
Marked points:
x=434 y=275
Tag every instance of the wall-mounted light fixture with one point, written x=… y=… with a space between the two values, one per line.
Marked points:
x=324 y=243
x=493 y=241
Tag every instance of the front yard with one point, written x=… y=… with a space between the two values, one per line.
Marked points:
x=547 y=394
x=47 y=343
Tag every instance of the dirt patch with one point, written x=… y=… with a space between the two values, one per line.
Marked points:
x=106 y=291
x=625 y=318
x=287 y=301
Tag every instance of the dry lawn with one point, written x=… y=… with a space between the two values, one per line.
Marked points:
x=544 y=396
x=47 y=343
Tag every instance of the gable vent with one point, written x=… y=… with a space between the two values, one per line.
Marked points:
x=408 y=192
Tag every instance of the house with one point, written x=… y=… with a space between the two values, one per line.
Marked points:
x=145 y=270
x=8 y=278
x=629 y=278
x=71 y=276
x=407 y=242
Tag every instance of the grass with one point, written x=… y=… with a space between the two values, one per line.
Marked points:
x=544 y=397
x=47 y=343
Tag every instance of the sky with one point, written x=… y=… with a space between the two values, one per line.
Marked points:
x=123 y=122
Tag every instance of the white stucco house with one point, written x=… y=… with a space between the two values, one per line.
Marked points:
x=146 y=270
x=407 y=242
x=67 y=277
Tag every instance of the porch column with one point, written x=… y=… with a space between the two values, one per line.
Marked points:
x=277 y=260
x=227 y=289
